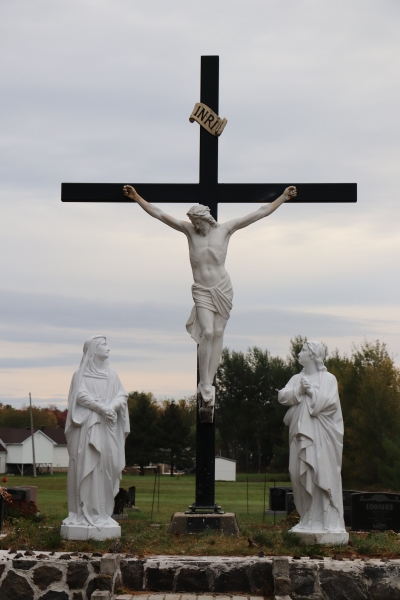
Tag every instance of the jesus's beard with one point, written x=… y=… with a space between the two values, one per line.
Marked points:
x=203 y=230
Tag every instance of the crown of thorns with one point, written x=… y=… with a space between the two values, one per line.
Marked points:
x=202 y=212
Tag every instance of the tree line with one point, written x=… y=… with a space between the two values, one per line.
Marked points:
x=249 y=418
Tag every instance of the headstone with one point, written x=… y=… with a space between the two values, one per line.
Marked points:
x=347 y=505
x=19 y=494
x=277 y=498
x=375 y=512
x=32 y=489
x=120 y=501
x=290 y=505
x=131 y=497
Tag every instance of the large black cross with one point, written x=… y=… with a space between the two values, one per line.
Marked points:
x=209 y=192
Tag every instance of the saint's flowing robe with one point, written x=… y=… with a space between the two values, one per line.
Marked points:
x=316 y=445
x=96 y=448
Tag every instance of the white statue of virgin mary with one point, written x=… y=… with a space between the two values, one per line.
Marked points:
x=96 y=428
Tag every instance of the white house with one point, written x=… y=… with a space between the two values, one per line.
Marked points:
x=3 y=454
x=225 y=469
x=50 y=449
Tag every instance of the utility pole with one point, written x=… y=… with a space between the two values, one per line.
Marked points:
x=32 y=432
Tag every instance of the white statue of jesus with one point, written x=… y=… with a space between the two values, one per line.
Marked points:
x=212 y=289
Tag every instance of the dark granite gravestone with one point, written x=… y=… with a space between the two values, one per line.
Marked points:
x=290 y=505
x=130 y=497
x=347 y=505
x=19 y=494
x=375 y=512
x=277 y=498
x=119 y=501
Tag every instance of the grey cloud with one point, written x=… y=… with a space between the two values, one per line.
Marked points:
x=66 y=320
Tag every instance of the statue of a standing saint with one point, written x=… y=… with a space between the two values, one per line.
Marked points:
x=212 y=288
x=96 y=428
x=316 y=443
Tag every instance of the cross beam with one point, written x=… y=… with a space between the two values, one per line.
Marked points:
x=209 y=192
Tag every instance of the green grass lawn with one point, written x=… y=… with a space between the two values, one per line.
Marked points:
x=142 y=536
x=176 y=494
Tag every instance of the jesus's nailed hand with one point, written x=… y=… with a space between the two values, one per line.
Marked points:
x=290 y=193
x=130 y=192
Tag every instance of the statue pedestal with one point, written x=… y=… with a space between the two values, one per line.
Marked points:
x=193 y=523
x=325 y=538
x=88 y=532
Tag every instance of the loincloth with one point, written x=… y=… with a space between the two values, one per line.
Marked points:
x=218 y=299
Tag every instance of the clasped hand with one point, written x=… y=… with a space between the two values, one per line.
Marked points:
x=306 y=386
x=110 y=415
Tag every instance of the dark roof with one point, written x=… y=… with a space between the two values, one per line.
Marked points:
x=2 y=448
x=56 y=434
x=17 y=435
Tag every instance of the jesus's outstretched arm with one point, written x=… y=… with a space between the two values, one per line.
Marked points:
x=154 y=211
x=262 y=212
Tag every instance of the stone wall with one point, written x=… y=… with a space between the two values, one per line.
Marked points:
x=44 y=576
x=34 y=576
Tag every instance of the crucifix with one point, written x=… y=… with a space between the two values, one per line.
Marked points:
x=210 y=193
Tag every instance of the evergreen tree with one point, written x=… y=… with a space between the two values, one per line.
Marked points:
x=142 y=443
x=175 y=442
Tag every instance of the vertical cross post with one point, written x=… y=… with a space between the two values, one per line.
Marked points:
x=208 y=178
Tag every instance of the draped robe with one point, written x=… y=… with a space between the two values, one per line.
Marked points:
x=316 y=445
x=95 y=447
x=218 y=299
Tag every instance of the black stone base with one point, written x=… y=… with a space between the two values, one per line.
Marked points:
x=193 y=523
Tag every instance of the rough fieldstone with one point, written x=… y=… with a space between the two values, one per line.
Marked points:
x=15 y=587
x=96 y=566
x=159 y=579
x=77 y=596
x=53 y=595
x=338 y=585
x=46 y=575
x=77 y=575
x=303 y=579
x=232 y=580
x=2 y=567
x=132 y=574
x=261 y=579
x=192 y=579
x=283 y=586
x=104 y=582
x=384 y=582
x=90 y=588
x=24 y=565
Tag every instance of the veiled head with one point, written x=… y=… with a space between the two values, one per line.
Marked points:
x=89 y=347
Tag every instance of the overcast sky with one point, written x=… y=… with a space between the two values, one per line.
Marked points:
x=101 y=91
